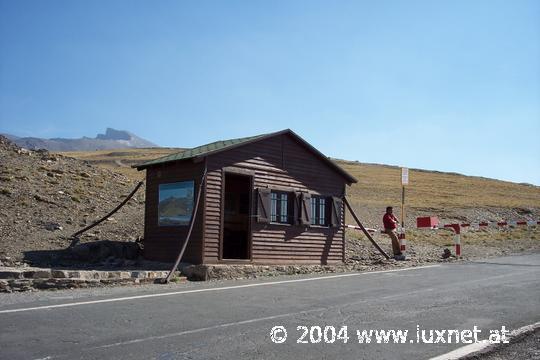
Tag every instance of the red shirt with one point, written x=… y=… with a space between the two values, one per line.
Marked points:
x=389 y=221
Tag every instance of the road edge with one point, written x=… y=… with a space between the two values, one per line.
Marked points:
x=472 y=351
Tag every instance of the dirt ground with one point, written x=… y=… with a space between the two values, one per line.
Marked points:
x=427 y=246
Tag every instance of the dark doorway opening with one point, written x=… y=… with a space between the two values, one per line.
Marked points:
x=236 y=222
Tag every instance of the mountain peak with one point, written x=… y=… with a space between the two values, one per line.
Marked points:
x=112 y=139
x=113 y=134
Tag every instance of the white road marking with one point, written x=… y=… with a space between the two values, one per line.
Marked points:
x=136 y=297
x=473 y=348
x=194 y=331
x=249 y=321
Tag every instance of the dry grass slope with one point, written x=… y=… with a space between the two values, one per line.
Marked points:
x=380 y=184
x=121 y=160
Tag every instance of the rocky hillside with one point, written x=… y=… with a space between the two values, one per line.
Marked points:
x=47 y=197
x=112 y=139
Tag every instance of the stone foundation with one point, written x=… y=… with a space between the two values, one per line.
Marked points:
x=216 y=272
x=27 y=279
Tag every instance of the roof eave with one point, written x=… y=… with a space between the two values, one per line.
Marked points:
x=198 y=157
x=349 y=178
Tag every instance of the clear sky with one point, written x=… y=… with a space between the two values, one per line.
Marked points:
x=444 y=85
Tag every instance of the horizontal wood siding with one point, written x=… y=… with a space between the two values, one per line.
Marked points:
x=164 y=243
x=212 y=215
x=278 y=162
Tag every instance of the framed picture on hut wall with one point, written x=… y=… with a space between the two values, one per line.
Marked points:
x=175 y=203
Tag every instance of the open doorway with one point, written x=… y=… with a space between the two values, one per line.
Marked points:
x=236 y=222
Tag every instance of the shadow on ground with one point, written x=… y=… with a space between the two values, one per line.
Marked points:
x=102 y=254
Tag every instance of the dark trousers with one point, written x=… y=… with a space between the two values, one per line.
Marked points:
x=395 y=241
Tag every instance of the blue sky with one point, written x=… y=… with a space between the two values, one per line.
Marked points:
x=442 y=85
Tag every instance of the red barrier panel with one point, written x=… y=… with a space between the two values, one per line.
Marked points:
x=427 y=222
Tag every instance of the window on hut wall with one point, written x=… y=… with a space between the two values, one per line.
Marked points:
x=319 y=210
x=175 y=205
x=281 y=207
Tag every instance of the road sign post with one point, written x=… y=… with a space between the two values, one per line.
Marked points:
x=404 y=181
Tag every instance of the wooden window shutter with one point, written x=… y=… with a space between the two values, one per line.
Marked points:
x=263 y=205
x=336 y=210
x=297 y=207
x=305 y=209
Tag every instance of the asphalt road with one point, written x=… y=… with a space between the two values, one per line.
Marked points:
x=233 y=319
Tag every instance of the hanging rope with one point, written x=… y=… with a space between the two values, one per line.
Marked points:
x=78 y=233
x=191 y=223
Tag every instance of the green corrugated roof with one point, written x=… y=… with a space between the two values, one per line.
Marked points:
x=222 y=145
x=200 y=150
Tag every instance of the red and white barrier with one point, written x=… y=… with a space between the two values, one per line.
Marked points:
x=498 y=224
x=456 y=228
x=484 y=224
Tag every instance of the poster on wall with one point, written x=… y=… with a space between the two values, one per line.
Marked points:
x=175 y=203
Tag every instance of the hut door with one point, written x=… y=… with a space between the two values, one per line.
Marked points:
x=236 y=218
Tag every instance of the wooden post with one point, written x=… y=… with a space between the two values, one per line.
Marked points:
x=404 y=181
x=368 y=235
x=402 y=206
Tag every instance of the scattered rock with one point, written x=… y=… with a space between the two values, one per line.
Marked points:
x=446 y=253
x=23 y=151
x=43 y=199
x=53 y=226
x=37 y=274
x=11 y=274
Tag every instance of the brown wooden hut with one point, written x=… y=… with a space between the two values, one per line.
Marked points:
x=267 y=199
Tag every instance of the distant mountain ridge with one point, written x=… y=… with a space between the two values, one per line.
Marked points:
x=112 y=139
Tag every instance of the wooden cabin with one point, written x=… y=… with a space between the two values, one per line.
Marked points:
x=266 y=199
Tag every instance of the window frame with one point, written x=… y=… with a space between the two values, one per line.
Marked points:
x=276 y=207
x=316 y=210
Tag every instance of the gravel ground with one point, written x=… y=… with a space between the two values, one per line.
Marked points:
x=523 y=347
